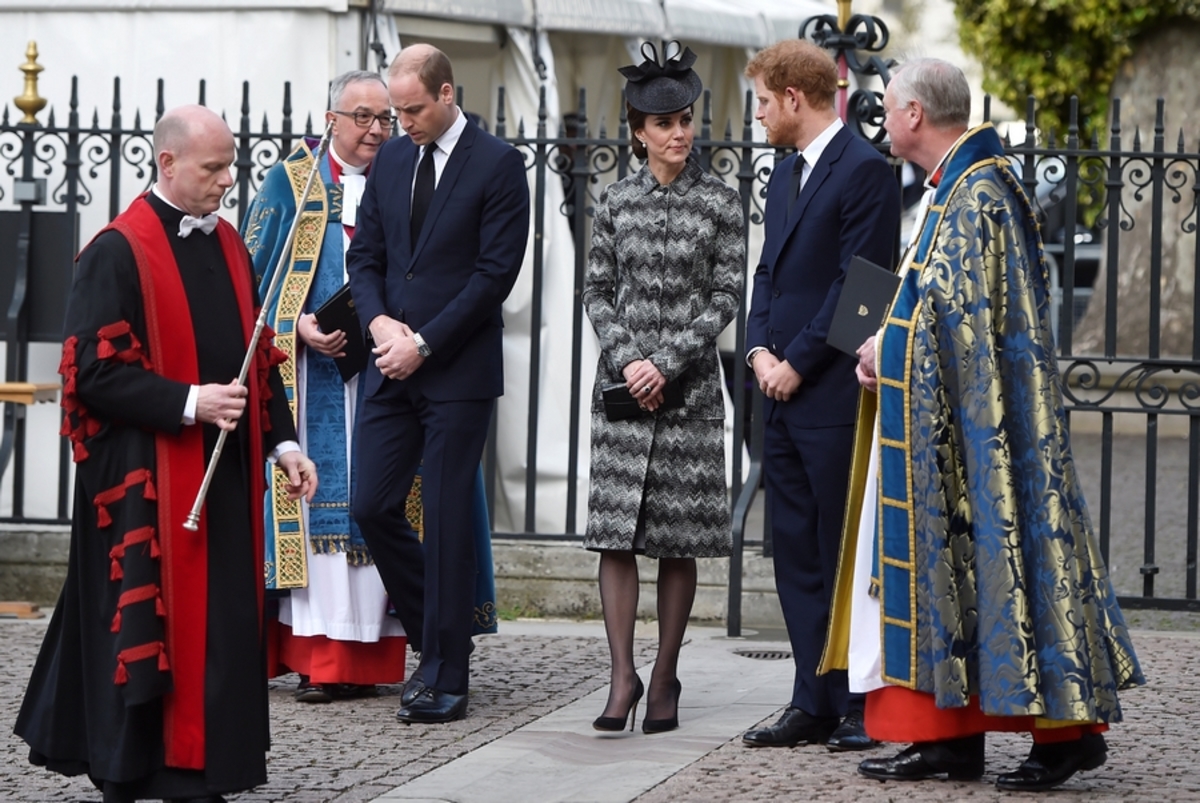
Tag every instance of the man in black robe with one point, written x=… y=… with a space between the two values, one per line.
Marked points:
x=151 y=679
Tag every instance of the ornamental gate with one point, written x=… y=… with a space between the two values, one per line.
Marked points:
x=1127 y=206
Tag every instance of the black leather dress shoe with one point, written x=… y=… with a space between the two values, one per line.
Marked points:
x=312 y=692
x=351 y=691
x=432 y=706
x=1050 y=765
x=851 y=734
x=412 y=688
x=957 y=759
x=793 y=728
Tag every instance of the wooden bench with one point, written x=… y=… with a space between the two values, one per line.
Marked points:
x=22 y=394
x=28 y=392
x=21 y=610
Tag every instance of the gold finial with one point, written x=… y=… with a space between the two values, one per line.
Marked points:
x=29 y=101
x=843 y=14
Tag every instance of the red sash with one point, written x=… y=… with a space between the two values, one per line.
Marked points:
x=180 y=466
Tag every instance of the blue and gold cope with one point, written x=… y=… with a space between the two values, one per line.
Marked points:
x=985 y=561
x=303 y=288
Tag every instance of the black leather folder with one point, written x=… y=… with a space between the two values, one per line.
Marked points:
x=866 y=296
x=338 y=313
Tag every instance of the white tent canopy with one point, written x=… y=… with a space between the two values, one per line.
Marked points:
x=746 y=23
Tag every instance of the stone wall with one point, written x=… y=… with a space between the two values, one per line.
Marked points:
x=533 y=578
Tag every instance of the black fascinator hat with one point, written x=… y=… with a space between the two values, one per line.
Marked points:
x=662 y=88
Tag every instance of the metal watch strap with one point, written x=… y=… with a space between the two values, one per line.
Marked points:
x=422 y=347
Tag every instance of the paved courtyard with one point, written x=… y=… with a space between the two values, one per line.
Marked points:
x=537 y=685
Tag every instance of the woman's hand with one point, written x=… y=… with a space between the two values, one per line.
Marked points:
x=645 y=383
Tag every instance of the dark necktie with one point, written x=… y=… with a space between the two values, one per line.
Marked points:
x=422 y=192
x=794 y=189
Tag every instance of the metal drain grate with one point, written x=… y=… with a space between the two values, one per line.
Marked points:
x=765 y=655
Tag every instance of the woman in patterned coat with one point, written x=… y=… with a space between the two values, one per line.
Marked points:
x=664 y=278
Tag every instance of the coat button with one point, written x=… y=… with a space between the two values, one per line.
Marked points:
x=408 y=276
x=774 y=293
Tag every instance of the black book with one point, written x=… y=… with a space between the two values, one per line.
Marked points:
x=866 y=297
x=338 y=313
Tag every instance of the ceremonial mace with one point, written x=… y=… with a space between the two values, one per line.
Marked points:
x=193 y=519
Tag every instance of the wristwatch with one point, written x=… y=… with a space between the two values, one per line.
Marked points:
x=422 y=347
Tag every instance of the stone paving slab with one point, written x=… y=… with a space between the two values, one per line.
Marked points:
x=561 y=758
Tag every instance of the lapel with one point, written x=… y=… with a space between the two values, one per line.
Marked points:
x=820 y=172
x=403 y=186
x=450 y=174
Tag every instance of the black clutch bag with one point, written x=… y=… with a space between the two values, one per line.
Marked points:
x=338 y=313
x=619 y=404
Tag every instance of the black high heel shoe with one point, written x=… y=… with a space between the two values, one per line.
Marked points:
x=618 y=723
x=670 y=723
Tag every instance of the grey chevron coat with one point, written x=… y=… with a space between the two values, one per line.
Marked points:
x=664 y=278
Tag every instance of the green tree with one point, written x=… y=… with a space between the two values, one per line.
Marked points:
x=1053 y=49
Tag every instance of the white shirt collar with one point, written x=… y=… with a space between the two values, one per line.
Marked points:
x=158 y=194
x=450 y=136
x=815 y=148
x=347 y=169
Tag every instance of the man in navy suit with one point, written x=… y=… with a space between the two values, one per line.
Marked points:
x=834 y=199
x=440 y=239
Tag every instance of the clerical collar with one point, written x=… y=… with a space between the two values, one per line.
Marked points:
x=935 y=177
x=347 y=169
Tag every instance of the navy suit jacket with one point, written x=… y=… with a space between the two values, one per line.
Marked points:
x=450 y=283
x=849 y=206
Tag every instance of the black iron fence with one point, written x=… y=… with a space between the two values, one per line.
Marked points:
x=1093 y=201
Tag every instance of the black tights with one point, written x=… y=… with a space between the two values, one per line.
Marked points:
x=619 y=598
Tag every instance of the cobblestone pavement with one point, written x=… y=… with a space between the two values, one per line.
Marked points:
x=1153 y=755
x=353 y=750
x=356 y=751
